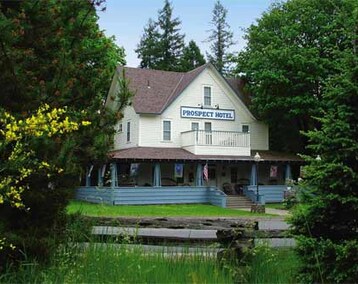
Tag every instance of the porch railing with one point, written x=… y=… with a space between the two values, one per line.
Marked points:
x=215 y=138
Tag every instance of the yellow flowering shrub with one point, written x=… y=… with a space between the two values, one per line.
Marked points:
x=15 y=133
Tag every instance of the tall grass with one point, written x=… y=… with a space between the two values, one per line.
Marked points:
x=268 y=265
x=122 y=264
x=81 y=260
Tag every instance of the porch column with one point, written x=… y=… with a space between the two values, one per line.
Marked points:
x=199 y=175
x=88 y=175
x=288 y=173
x=99 y=177
x=253 y=180
x=114 y=181
x=157 y=175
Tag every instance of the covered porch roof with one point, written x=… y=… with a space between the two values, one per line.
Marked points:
x=179 y=154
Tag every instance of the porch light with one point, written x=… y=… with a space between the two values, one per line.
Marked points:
x=257 y=159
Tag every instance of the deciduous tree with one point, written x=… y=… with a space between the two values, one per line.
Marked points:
x=290 y=54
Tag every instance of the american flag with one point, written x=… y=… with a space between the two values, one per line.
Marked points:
x=206 y=172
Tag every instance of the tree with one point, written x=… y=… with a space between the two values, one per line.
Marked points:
x=326 y=225
x=52 y=52
x=289 y=56
x=192 y=57
x=163 y=47
x=148 y=49
x=221 y=38
x=171 y=41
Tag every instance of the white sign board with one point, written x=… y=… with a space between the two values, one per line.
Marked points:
x=219 y=114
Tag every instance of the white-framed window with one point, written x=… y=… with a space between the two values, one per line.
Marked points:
x=245 y=128
x=167 y=130
x=195 y=126
x=119 y=127
x=128 y=131
x=207 y=96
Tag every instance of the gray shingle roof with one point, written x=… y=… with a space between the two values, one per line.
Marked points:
x=179 y=154
x=155 y=90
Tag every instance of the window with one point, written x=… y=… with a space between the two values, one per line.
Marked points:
x=195 y=126
x=128 y=131
x=119 y=127
x=245 y=128
x=166 y=130
x=207 y=96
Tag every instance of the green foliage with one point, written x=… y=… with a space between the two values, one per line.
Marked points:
x=161 y=45
x=268 y=265
x=221 y=39
x=326 y=225
x=327 y=261
x=192 y=57
x=53 y=52
x=291 y=53
x=148 y=48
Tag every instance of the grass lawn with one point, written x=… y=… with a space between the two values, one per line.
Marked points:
x=275 y=206
x=176 y=210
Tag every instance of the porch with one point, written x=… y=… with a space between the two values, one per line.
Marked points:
x=179 y=178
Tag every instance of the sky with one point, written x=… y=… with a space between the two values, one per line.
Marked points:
x=126 y=19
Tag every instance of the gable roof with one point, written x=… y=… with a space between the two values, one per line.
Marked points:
x=154 y=90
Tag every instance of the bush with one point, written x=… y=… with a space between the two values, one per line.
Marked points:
x=330 y=262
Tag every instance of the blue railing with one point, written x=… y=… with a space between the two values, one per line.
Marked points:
x=267 y=193
x=151 y=195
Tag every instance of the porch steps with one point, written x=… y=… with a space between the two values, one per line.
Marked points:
x=237 y=202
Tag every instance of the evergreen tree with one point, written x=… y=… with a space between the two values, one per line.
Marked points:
x=165 y=48
x=171 y=41
x=148 y=48
x=326 y=224
x=192 y=57
x=221 y=38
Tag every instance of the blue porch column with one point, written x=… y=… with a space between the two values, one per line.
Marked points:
x=157 y=180
x=199 y=175
x=114 y=181
x=253 y=175
x=288 y=173
x=88 y=175
x=99 y=177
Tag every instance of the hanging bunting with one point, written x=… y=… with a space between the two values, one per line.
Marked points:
x=206 y=172
x=178 y=170
x=134 y=169
x=273 y=172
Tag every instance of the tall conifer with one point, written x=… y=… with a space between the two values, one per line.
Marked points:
x=221 y=38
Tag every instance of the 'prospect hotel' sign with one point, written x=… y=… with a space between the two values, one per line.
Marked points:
x=195 y=112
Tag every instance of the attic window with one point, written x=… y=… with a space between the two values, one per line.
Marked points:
x=207 y=96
